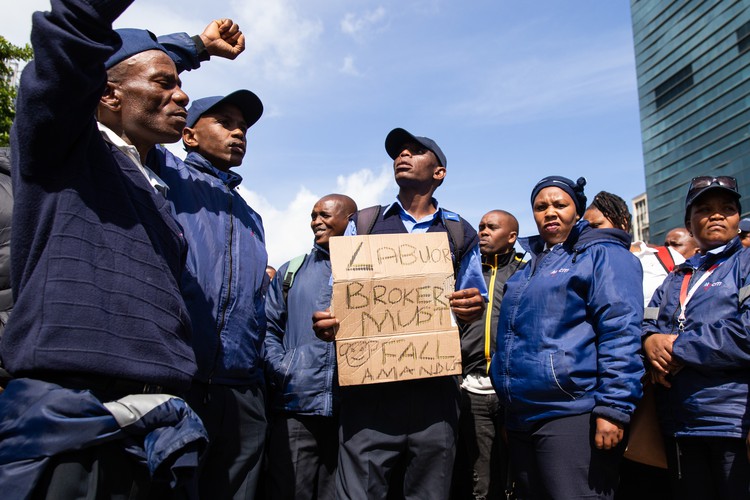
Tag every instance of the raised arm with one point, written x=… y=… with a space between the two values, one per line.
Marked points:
x=60 y=88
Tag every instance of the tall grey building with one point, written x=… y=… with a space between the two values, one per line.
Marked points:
x=693 y=64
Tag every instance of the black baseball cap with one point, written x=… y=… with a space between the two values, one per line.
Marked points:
x=248 y=103
x=397 y=137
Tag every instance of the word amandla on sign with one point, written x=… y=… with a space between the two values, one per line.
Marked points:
x=390 y=294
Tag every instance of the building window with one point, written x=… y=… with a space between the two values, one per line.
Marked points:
x=674 y=86
x=743 y=38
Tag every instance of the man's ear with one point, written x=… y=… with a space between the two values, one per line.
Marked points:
x=512 y=237
x=111 y=97
x=188 y=137
x=439 y=173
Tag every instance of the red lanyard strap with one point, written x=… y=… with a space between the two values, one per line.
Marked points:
x=686 y=295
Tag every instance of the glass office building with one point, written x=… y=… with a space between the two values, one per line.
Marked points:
x=693 y=65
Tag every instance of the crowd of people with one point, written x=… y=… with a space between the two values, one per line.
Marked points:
x=151 y=351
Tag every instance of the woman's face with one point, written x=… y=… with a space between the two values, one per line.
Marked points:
x=714 y=219
x=554 y=214
x=597 y=220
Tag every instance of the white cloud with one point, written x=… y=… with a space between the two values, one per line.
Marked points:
x=287 y=228
x=279 y=37
x=348 y=67
x=357 y=26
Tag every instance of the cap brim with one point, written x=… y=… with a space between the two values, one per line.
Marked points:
x=697 y=194
x=249 y=104
x=396 y=139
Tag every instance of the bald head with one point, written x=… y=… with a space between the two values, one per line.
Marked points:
x=682 y=241
x=330 y=216
x=498 y=231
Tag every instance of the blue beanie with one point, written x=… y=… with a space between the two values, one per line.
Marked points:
x=574 y=190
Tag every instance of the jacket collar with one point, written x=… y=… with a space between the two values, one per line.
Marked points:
x=698 y=260
x=500 y=260
x=197 y=161
x=581 y=236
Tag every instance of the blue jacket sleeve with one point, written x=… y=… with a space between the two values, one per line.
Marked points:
x=60 y=88
x=276 y=318
x=187 y=52
x=470 y=272
x=615 y=306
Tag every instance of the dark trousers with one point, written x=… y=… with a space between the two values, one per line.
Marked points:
x=398 y=429
x=708 y=467
x=105 y=471
x=236 y=423
x=558 y=459
x=302 y=456
x=481 y=464
x=642 y=482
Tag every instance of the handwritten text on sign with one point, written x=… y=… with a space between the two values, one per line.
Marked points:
x=390 y=296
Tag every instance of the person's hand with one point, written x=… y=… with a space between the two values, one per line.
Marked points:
x=659 y=377
x=223 y=38
x=325 y=325
x=658 y=350
x=467 y=304
x=608 y=434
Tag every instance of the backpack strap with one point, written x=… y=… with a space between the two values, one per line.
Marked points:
x=366 y=219
x=664 y=256
x=455 y=229
x=291 y=271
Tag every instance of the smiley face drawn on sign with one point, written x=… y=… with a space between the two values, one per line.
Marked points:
x=357 y=353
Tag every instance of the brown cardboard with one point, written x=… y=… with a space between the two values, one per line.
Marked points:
x=390 y=296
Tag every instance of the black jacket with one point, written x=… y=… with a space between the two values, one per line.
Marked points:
x=478 y=338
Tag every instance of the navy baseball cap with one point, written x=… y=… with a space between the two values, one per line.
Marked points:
x=397 y=137
x=248 y=103
x=134 y=41
x=745 y=225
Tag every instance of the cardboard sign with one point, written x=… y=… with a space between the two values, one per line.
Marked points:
x=390 y=296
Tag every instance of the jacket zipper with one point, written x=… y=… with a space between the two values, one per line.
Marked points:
x=225 y=305
x=517 y=299
x=488 y=316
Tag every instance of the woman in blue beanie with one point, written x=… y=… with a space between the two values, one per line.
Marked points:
x=567 y=368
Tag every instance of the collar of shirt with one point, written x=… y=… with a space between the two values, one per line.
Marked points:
x=411 y=224
x=131 y=152
x=643 y=248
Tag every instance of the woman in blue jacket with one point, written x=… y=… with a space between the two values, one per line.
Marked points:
x=697 y=346
x=567 y=368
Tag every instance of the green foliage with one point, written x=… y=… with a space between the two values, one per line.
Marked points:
x=9 y=53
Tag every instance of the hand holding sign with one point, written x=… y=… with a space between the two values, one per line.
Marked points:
x=325 y=325
x=467 y=305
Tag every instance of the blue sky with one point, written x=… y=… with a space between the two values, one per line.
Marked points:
x=512 y=91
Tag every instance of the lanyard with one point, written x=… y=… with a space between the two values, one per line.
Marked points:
x=686 y=295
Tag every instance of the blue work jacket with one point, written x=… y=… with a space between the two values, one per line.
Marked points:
x=300 y=368
x=709 y=395
x=222 y=283
x=568 y=336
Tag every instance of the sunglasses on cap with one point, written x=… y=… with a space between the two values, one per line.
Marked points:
x=705 y=181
